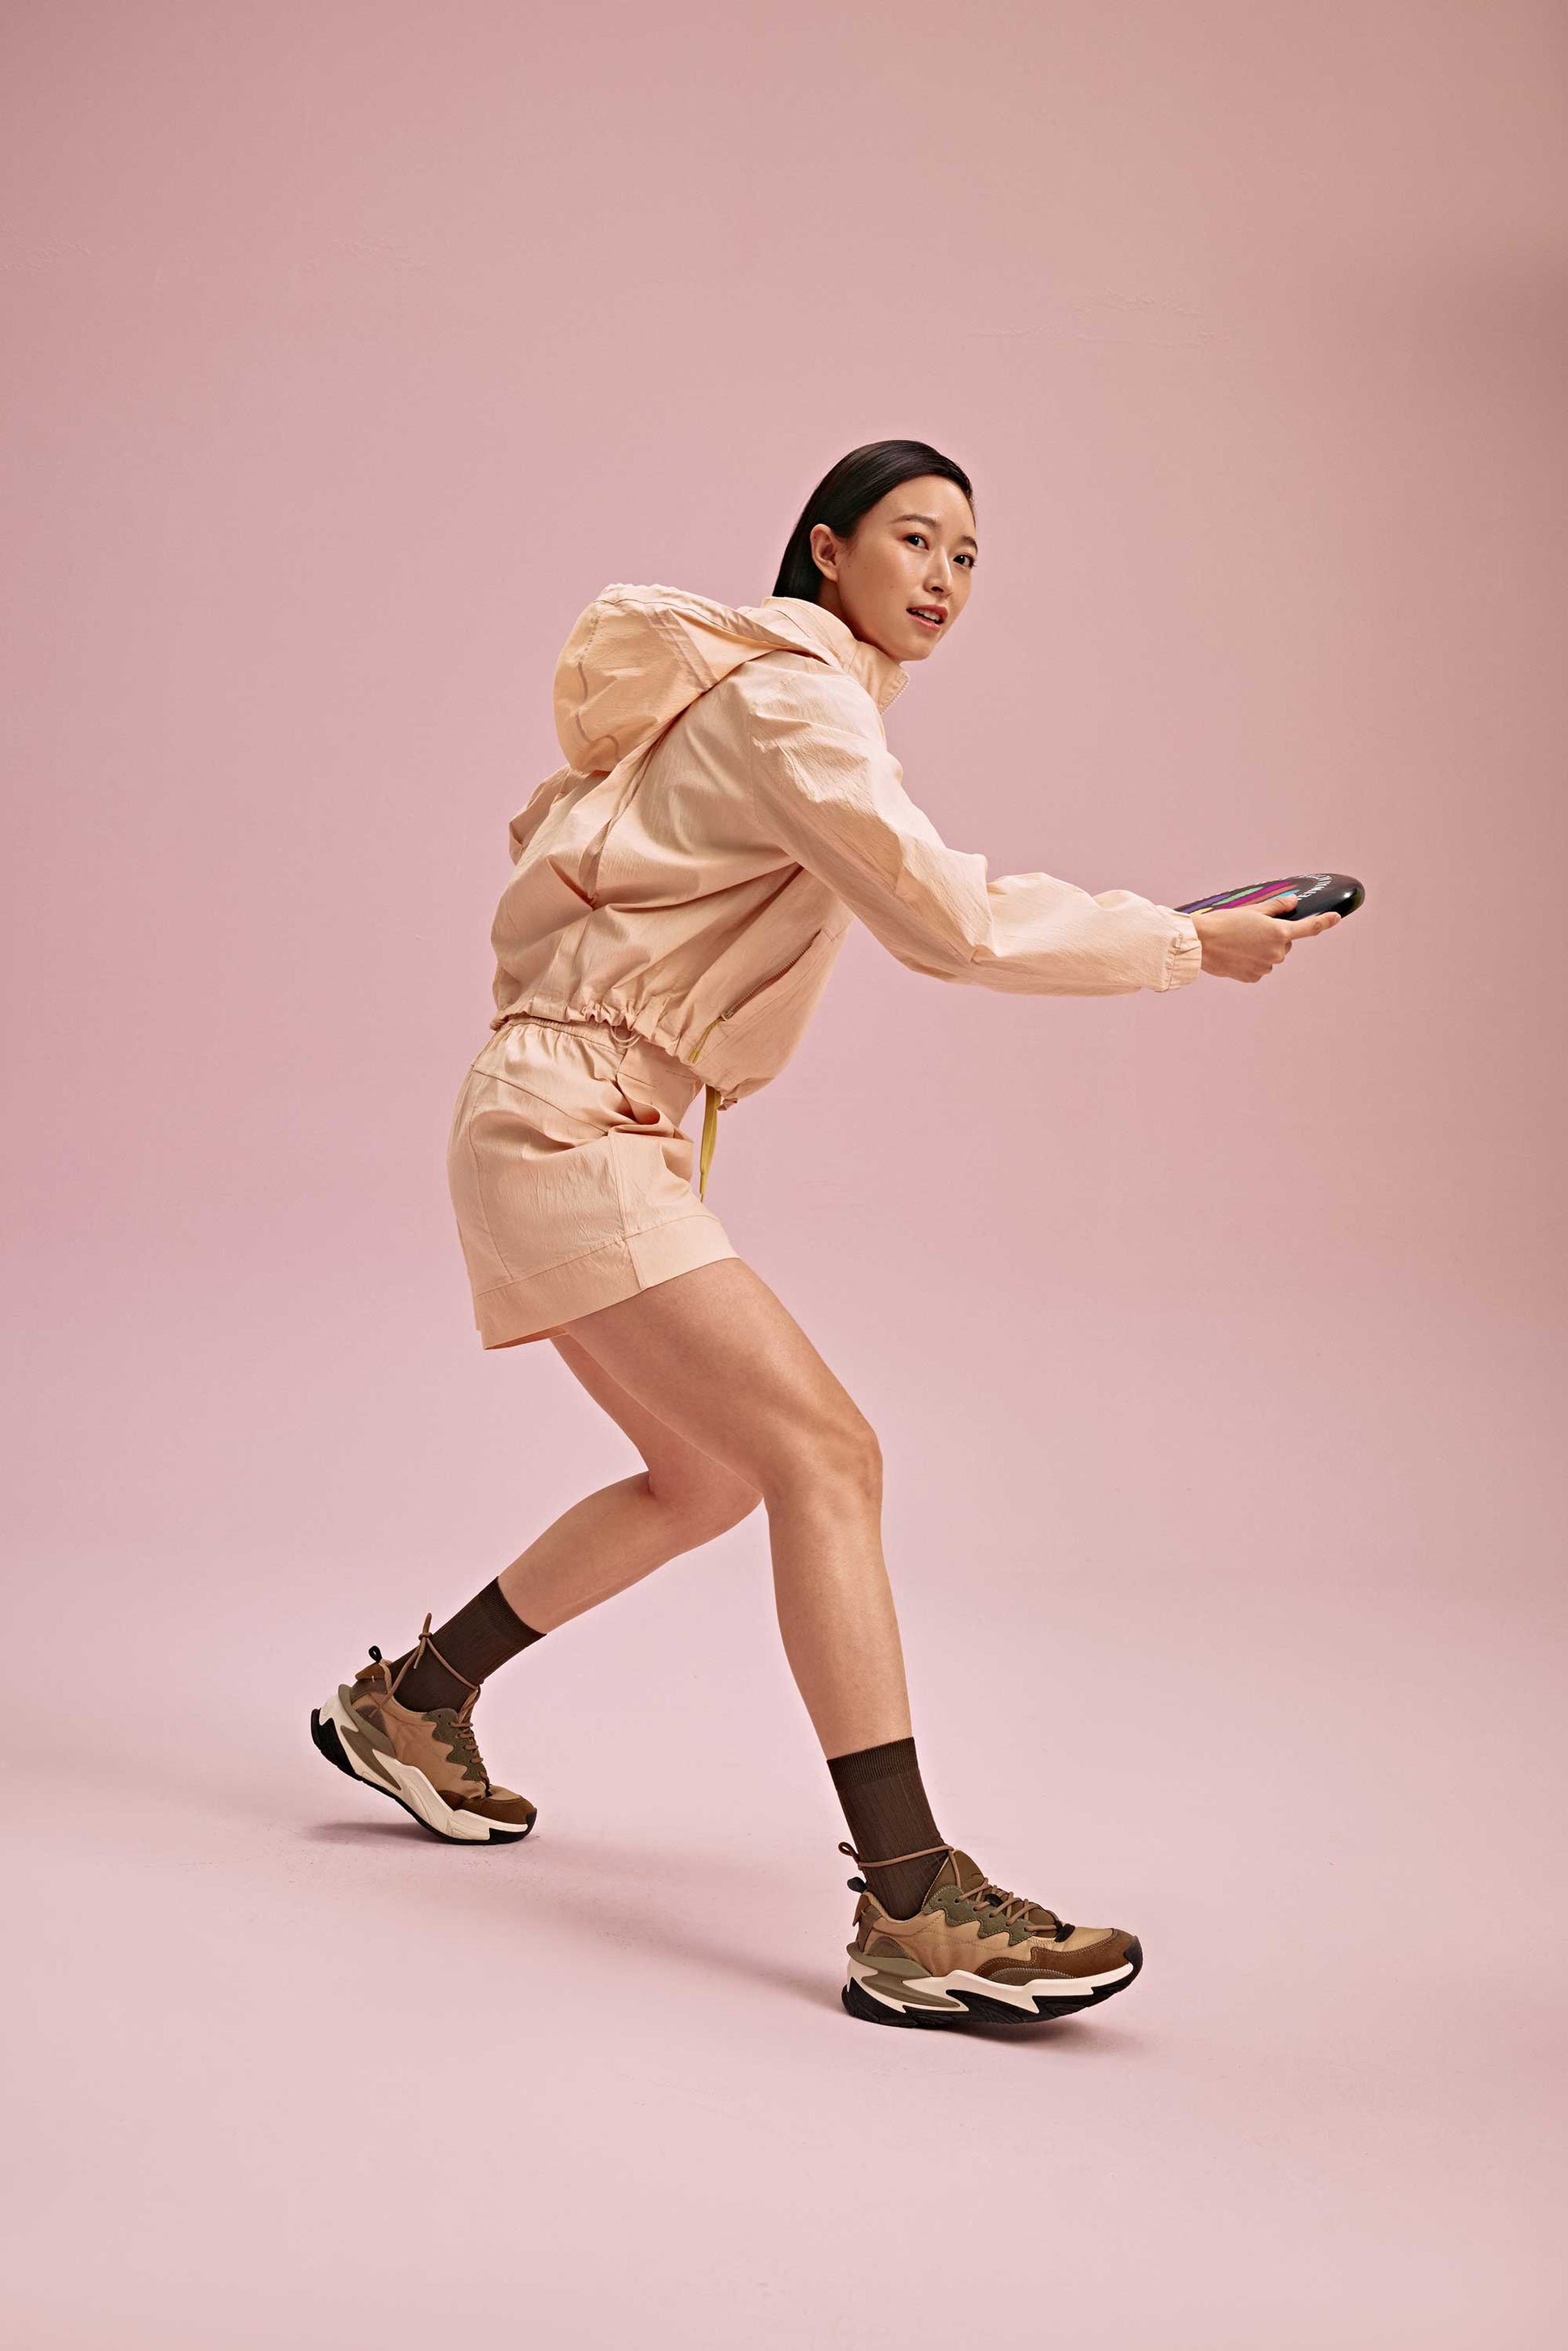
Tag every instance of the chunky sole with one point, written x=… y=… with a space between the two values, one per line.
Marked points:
x=335 y=1735
x=947 y=2003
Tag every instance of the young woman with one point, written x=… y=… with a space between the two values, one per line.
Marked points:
x=680 y=890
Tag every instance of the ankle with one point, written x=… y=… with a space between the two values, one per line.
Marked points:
x=422 y=1680
x=450 y=1666
x=895 y=1840
x=427 y=1684
x=902 y=1886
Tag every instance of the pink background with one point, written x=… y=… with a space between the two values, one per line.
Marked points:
x=1211 y=1339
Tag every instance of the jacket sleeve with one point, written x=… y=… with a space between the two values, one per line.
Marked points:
x=827 y=788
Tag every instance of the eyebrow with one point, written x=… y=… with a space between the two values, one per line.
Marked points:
x=932 y=523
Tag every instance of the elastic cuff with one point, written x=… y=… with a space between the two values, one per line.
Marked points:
x=1185 y=959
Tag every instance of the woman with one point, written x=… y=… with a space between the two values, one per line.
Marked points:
x=679 y=893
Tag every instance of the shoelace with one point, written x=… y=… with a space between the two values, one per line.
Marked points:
x=458 y=1732
x=456 y=1728
x=987 y=1896
x=1010 y=1907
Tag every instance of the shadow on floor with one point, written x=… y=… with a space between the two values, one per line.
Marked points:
x=663 y=1901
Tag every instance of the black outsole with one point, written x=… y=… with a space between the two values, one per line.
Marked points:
x=978 y=2010
x=325 y=1739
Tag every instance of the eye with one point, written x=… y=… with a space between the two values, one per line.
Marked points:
x=965 y=559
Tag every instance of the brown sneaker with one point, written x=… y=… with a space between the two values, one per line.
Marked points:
x=975 y=1953
x=428 y=1764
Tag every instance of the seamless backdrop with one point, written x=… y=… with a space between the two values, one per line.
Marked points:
x=1213 y=1339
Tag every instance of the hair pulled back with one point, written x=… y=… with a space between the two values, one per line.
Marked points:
x=852 y=488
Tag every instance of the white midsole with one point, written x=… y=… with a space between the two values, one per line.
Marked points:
x=1024 y=1995
x=467 y=1828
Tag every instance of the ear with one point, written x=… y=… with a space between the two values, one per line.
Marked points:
x=824 y=550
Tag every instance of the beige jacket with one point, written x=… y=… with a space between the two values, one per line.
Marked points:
x=729 y=804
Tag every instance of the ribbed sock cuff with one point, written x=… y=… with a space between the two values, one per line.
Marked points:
x=482 y=1636
x=885 y=1805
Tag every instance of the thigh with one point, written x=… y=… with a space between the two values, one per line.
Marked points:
x=716 y=1356
x=679 y=1472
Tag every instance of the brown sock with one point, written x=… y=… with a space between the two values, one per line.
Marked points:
x=884 y=1804
x=472 y=1644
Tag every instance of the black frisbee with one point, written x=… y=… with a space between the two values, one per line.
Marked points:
x=1321 y=894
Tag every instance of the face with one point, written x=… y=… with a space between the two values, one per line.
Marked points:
x=904 y=576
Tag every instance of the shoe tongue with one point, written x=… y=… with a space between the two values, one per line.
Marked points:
x=966 y=1873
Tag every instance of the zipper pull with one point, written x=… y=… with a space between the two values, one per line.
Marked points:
x=708 y=1032
x=710 y=1136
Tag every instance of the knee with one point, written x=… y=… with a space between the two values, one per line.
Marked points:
x=838 y=1455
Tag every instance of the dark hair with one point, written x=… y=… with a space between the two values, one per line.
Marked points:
x=850 y=490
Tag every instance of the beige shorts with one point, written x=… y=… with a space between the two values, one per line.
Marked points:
x=571 y=1176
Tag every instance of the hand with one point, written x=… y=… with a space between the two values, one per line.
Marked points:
x=1247 y=941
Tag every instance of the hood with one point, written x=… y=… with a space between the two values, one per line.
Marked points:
x=639 y=656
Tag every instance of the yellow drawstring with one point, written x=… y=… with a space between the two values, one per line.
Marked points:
x=710 y=1136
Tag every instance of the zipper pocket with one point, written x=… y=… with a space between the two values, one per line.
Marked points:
x=776 y=980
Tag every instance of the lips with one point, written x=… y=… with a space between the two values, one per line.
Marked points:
x=931 y=616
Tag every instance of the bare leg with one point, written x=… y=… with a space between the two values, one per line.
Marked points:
x=728 y=1402
x=617 y=1536
x=713 y=1358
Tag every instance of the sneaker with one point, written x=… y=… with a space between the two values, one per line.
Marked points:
x=428 y=1764
x=973 y=1952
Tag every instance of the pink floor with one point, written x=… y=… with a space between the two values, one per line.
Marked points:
x=290 y=2071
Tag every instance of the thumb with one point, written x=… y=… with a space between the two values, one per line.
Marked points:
x=1285 y=898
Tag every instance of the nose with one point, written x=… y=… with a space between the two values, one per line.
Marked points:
x=939 y=574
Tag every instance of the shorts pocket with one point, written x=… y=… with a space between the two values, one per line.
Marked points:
x=533 y=1181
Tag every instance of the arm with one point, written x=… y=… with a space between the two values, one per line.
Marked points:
x=827 y=790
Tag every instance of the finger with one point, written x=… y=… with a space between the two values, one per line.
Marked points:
x=1291 y=932
x=1285 y=898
